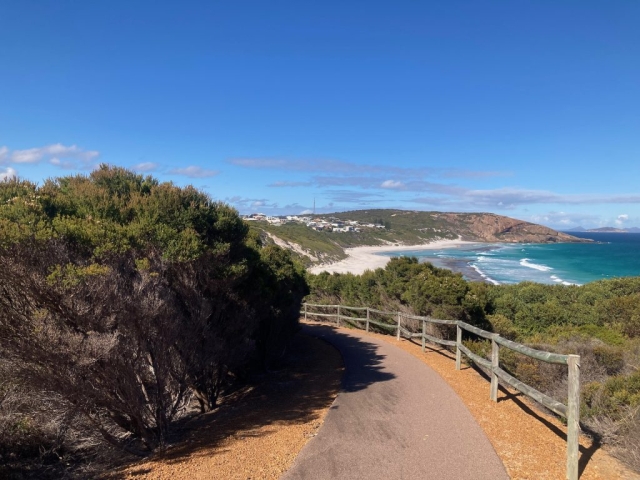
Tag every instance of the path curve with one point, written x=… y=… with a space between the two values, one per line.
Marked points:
x=395 y=418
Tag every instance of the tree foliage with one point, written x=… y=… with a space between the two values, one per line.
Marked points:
x=127 y=297
x=404 y=282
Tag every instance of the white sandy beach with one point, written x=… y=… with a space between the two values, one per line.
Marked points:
x=360 y=259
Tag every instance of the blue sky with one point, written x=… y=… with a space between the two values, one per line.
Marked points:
x=522 y=108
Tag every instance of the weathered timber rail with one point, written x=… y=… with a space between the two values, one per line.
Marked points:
x=570 y=411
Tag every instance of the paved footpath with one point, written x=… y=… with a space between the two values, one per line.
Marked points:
x=395 y=418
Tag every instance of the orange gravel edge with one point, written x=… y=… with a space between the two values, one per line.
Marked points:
x=259 y=433
x=531 y=444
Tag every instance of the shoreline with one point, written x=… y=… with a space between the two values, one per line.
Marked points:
x=361 y=259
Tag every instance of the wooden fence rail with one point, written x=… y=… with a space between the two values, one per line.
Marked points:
x=570 y=411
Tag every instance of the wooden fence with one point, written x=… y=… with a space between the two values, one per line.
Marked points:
x=570 y=411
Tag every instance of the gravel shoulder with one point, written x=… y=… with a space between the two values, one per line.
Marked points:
x=259 y=435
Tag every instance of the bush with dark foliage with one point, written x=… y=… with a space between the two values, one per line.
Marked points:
x=123 y=299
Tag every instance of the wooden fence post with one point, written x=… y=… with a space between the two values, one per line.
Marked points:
x=458 y=343
x=338 y=317
x=424 y=333
x=495 y=364
x=367 y=319
x=305 y=312
x=573 y=417
x=398 y=336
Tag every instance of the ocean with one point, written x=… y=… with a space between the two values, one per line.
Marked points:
x=611 y=255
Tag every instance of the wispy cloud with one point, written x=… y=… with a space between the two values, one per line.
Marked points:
x=383 y=184
x=340 y=167
x=460 y=173
x=290 y=184
x=564 y=220
x=298 y=165
x=393 y=184
x=243 y=203
x=353 y=196
x=510 y=198
x=346 y=181
x=515 y=197
x=194 y=172
x=145 y=167
x=6 y=173
x=71 y=157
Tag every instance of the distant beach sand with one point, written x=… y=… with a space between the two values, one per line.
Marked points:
x=360 y=259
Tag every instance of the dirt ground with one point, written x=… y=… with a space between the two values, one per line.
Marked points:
x=259 y=434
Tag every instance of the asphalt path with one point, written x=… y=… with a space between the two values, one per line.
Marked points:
x=395 y=418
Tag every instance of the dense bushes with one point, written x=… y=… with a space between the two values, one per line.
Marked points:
x=608 y=310
x=425 y=289
x=123 y=298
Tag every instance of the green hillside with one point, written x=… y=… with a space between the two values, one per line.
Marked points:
x=401 y=227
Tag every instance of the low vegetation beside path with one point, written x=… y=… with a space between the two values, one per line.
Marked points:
x=599 y=321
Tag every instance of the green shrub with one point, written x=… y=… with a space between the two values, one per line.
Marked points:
x=611 y=358
x=501 y=325
x=482 y=348
x=612 y=396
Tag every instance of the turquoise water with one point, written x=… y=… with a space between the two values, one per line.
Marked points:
x=612 y=255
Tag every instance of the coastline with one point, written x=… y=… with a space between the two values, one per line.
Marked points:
x=361 y=259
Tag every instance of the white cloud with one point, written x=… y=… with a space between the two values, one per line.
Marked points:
x=306 y=212
x=565 y=220
x=244 y=203
x=194 y=172
x=392 y=184
x=76 y=156
x=622 y=218
x=6 y=173
x=4 y=153
x=145 y=167
x=32 y=155
x=66 y=164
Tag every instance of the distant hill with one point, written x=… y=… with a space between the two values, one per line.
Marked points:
x=604 y=230
x=407 y=228
x=608 y=230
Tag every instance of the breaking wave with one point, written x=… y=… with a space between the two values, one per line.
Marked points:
x=484 y=275
x=543 y=268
